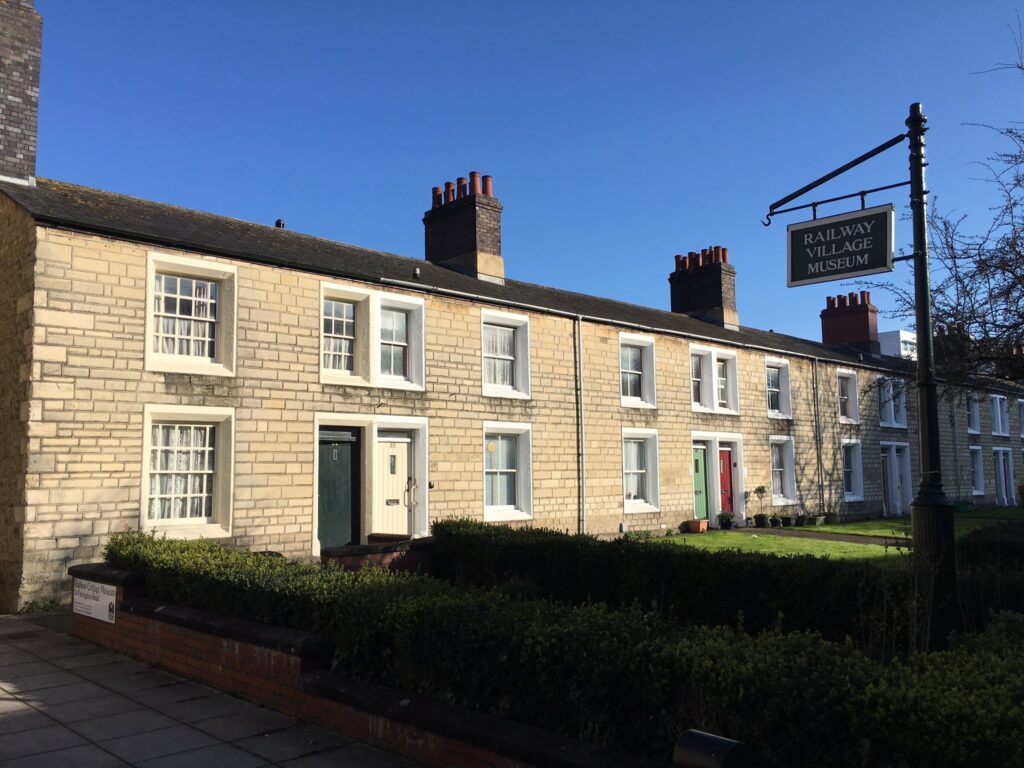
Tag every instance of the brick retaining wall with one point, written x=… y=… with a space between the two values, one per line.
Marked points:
x=288 y=670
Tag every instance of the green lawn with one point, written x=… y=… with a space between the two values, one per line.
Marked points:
x=899 y=527
x=780 y=545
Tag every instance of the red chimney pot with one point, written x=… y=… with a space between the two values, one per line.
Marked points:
x=488 y=186
x=436 y=200
x=474 y=182
x=449 y=191
x=462 y=184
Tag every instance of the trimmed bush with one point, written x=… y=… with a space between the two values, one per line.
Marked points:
x=627 y=679
x=992 y=546
x=870 y=602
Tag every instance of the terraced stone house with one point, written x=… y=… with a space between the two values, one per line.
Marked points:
x=196 y=375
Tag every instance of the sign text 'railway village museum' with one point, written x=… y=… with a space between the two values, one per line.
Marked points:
x=840 y=247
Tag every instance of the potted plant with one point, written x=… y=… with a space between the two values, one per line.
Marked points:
x=798 y=519
x=815 y=520
x=761 y=518
x=774 y=520
x=697 y=526
x=725 y=520
x=786 y=518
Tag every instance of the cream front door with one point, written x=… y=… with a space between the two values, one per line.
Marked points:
x=394 y=486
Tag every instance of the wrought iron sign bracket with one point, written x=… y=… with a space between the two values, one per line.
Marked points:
x=776 y=207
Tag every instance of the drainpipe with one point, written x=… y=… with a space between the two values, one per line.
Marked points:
x=956 y=450
x=581 y=466
x=817 y=439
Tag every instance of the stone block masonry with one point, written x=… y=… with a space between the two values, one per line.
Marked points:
x=75 y=372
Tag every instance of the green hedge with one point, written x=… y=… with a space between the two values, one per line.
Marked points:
x=993 y=546
x=627 y=679
x=870 y=601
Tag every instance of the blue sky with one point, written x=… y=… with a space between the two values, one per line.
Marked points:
x=618 y=134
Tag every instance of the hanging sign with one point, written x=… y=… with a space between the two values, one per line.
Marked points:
x=840 y=247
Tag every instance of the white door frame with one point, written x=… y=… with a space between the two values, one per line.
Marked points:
x=899 y=469
x=714 y=441
x=417 y=428
x=1006 y=491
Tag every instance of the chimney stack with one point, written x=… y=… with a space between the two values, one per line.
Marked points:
x=21 y=36
x=462 y=229
x=703 y=285
x=851 y=321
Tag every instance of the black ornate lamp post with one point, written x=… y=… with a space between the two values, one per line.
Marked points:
x=934 y=541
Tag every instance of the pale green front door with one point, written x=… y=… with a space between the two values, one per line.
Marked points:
x=700 y=483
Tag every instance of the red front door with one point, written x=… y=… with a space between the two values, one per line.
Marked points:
x=725 y=478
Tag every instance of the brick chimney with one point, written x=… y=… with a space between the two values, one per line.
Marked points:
x=851 y=321
x=462 y=229
x=704 y=286
x=21 y=38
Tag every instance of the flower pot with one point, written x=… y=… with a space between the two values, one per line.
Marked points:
x=786 y=521
x=798 y=521
x=696 y=526
x=775 y=522
x=760 y=520
x=815 y=520
x=725 y=525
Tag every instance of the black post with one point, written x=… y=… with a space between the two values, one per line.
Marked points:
x=934 y=543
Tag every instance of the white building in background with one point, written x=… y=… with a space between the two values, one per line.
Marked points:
x=899 y=344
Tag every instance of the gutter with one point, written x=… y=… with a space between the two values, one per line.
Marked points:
x=817 y=438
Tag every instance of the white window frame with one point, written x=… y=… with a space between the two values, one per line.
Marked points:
x=219 y=525
x=520 y=324
x=977 y=455
x=523 y=510
x=648 y=387
x=973 y=414
x=1000 y=409
x=888 y=389
x=789 y=495
x=360 y=375
x=857 y=494
x=650 y=438
x=853 y=397
x=710 y=357
x=785 y=394
x=226 y=276
x=413 y=306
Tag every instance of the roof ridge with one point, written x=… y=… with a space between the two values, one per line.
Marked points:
x=57 y=185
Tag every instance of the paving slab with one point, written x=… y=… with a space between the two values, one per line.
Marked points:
x=297 y=741
x=219 y=755
x=85 y=756
x=37 y=740
x=66 y=702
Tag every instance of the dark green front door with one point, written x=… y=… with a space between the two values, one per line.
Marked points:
x=338 y=509
x=700 y=483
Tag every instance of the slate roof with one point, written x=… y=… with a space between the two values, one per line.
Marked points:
x=80 y=208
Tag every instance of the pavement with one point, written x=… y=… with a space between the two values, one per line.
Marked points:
x=69 y=703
